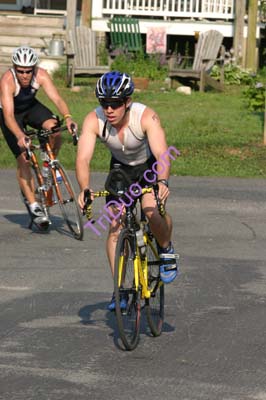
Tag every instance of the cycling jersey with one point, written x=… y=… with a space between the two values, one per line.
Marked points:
x=135 y=150
x=24 y=98
x=27 y=111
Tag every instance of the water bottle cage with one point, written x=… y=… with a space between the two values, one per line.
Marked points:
x=140 y=242
x=142 y=250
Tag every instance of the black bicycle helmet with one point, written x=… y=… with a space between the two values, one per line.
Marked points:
x=114 y=85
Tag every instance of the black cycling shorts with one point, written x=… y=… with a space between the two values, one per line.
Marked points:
x=135 y=173
x=34 y=117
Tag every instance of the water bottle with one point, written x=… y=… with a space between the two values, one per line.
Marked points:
x=46 y=175
x=59 y=178
x=45 y=169
x=140 y=241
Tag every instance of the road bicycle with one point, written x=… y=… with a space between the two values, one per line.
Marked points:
x=54 y=187
x=137 y=262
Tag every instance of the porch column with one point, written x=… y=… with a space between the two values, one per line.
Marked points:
x=251 y=60
x=97 y=9
x=71 y=14
x=86 y=13
x=240 y=9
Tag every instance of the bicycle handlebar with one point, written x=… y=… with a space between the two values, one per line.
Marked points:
x=87 y=209
x=44 y=133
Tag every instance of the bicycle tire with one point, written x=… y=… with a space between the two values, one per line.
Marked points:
x=128 y=321
x=155 y=304
x=67 y=201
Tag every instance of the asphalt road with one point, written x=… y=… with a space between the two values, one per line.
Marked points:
x=57 y=341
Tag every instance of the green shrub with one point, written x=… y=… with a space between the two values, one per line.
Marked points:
x=255 y=93
x=233 y=75
x=255 y=96
x=140 y=65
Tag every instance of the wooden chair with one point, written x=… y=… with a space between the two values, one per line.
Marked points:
x=81 y=52
x=208 y=48
x=125 y=34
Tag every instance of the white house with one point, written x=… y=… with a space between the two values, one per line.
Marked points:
x=185 y=18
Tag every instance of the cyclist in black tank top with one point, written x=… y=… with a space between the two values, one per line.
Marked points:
x=26 y=98
x=19 y=107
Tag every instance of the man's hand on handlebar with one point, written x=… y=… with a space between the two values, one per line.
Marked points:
x=24 y=142
x=163 y=191
x=85 y=198
x=71 y=125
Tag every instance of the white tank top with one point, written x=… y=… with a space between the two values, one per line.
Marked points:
x=136 y=149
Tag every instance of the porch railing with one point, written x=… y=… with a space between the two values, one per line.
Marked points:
x=170 y=9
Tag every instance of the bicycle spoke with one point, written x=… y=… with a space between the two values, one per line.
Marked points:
x=68 y=204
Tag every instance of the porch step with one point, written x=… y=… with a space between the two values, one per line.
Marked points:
x=31 y=30
x=32 y=20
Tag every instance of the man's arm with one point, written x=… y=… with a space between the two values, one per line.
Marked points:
x=151 y=125
x=86 y=146
x=7 y=89
x=45 y=81
x=157 y=141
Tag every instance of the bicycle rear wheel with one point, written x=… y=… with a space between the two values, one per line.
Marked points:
x=67 y=202
x=155 y=304
x=128 y=320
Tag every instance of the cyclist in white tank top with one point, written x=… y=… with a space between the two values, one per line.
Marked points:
x=134 y=135
x=135 y=148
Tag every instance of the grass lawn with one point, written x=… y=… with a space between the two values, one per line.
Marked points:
x=216 y=134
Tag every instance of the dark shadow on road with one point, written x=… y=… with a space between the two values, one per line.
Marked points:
x=23 y=220
x=87 y=311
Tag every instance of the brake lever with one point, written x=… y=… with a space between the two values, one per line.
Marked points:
x=74 y=134
x=28 y=150
x=87 y=209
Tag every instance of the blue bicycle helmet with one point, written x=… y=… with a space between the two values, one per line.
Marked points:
x=114 y=85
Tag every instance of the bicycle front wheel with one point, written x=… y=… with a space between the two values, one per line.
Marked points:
x=127 y=295
x=154 y=305
x=67 y=202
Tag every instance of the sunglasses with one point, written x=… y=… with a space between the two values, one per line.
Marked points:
x=113 y=104
x=22 y=72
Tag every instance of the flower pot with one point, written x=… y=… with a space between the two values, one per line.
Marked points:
x=141 y=83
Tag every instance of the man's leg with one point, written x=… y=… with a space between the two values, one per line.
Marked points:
x=111 y=243
x=25 y=178
x=40 y=116
x=161 y=228
x=26 y=183
x=55 y=139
